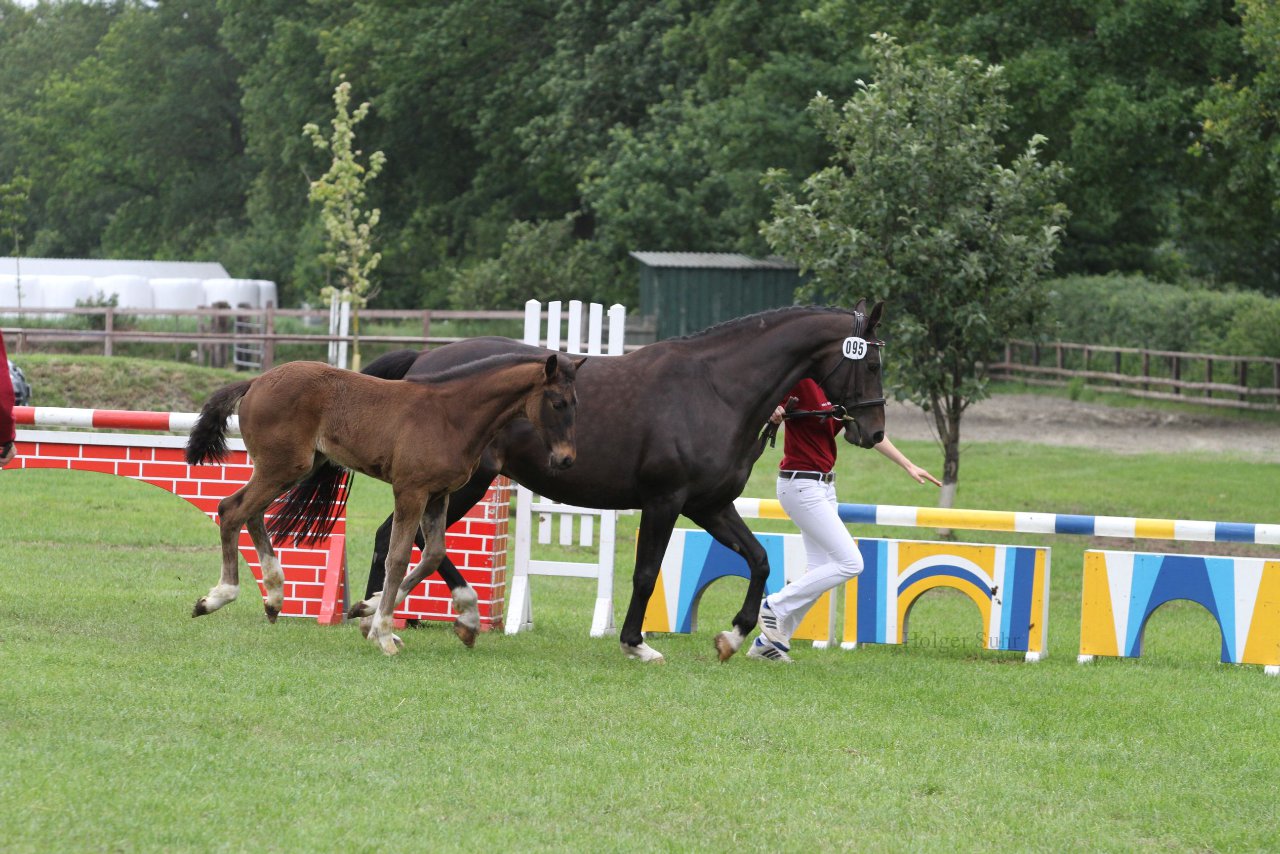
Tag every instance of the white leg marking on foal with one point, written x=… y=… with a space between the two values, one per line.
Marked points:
x=367 y=607
x=380 y=633
x=220 y=595
x=273 y=580
x=467 y=604
x=727 y=643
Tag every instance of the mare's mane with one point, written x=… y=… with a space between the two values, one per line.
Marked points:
x=767 y=314
x=480 y=366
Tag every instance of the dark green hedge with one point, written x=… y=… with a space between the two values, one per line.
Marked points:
x=1132 y=311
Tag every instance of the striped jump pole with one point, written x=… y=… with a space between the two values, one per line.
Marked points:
x=892 y=515
x=104 y=419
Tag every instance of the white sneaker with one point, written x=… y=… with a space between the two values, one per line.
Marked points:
x=762 y=649
x=768 y=625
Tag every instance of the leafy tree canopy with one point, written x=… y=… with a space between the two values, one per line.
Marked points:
x=917 y=208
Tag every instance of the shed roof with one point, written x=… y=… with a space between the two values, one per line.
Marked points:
x=713 y=260
x=114 y=267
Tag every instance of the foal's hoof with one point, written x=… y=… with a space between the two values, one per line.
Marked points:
x=466 y=634
x=365 y=625
x=201 y=608
x=360 y=609
x=272 y=613
x=725 y=645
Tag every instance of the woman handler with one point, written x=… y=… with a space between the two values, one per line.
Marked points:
x=807 y=492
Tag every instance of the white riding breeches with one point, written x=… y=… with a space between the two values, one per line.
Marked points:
x=832 y=555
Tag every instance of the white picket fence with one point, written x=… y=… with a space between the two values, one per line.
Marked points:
x=566 y=516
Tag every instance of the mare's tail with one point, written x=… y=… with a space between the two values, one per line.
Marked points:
x=208 y=440
x=392 y=366
x=309 y=511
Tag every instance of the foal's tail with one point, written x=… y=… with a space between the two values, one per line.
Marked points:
x=309 y=511
x=208 y=441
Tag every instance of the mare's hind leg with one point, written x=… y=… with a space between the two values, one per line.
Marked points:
x=234 y=511
x=655 y=532
x=728 y=528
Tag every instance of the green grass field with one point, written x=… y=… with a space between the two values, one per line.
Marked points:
x=126 y=725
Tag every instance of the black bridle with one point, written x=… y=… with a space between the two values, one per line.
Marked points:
x=842 y=411
x=839 y=411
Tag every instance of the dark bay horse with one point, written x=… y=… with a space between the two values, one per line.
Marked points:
x=426 y=439
x=671 y=429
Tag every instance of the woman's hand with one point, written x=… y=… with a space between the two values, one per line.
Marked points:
x=920 y=474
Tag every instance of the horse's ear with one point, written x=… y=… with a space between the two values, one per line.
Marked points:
x=578 y=364
x=877 y=314
x=861 y=306
x=553 y=366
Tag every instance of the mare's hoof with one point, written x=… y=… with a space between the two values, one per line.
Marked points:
x=359 y=610
x=725 y=646
x=466 y=634
x=200 y=609
x=391 y=644
x=272 y=613
x=643 y=652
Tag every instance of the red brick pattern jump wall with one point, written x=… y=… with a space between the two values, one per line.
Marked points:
x=477 y=543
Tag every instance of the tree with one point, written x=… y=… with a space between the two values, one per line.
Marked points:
x=916 y=208
x=15 y=198
x=135 y=150
x=340 y=192
x=1114 y=87
x=1240 y=143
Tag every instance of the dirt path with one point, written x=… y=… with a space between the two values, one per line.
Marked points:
x=1060 y=421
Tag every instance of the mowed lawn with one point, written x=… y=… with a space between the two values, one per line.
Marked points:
x=127 y=725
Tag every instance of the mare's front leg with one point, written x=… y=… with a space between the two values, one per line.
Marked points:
x=656 y=523
x=728 y=529
x=410 y=504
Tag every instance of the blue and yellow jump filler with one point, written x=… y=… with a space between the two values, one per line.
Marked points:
x=1008 y=584
x=1123 y=589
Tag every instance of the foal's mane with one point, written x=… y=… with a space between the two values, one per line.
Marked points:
x=767 y=314
x=481 y=366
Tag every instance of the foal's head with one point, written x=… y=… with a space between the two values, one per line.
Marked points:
x=855 y=382
x=553 y=408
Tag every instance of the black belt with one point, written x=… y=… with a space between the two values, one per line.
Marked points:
x=825 y=477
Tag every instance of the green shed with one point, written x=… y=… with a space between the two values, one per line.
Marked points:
x=683 y=292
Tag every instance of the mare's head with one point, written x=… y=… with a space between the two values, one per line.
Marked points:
x=854 y=380
x=553 y=408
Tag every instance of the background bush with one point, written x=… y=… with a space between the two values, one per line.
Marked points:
x=1133 y=311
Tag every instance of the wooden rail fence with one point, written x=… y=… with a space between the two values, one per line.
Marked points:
x=1237 y=382
x=249 y=334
